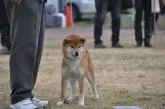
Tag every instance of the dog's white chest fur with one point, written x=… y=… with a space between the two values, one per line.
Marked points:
x=74 y=69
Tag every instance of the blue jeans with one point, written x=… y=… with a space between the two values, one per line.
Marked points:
x=140 y=6
x=102 y=7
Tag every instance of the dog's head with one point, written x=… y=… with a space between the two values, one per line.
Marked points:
x=74 y=47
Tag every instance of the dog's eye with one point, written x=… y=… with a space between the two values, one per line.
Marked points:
x=79 y=46
x=72 y=46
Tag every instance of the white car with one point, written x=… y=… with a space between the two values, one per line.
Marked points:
x=81 y=9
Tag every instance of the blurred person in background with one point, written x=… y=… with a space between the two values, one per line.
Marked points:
x=155 y=8
x=162 y=5
x=102 y=7
x=4 y=30
x=140 y=7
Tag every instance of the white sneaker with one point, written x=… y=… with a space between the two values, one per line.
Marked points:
x=24 y=104
x=4 y=50
x=39 y=103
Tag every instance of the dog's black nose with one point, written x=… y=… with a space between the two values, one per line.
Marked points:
x=76 y=53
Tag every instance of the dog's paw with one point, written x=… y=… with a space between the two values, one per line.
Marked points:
x=81 y=103
x=96 y=96
x=71 y=98
x=60 y=103
x=66 y=101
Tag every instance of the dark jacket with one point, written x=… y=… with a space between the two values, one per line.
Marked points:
x=162 y=3
x=127 y=4
x=44 y=1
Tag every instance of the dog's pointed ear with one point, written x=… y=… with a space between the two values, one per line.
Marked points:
x=66 y=41
x=82 y=40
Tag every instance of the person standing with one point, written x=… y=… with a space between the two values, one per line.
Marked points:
x=155 y=8
x=4 y=30
x=102 y=7
x=140 y=6
x=27 y=21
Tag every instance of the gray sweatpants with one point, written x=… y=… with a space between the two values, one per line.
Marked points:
x=27 y=22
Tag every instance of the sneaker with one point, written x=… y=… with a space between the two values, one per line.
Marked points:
x=4 y=50
x=117 y=45
x=24 y=104
x=100 y=45
x=39 y=103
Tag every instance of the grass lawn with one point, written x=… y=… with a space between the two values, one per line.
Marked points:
x=129 y=76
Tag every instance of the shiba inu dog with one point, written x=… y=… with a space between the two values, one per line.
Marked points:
x=76 y=66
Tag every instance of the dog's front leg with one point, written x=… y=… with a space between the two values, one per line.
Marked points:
x=64 y=82
x=81 y=90
x=73 y=86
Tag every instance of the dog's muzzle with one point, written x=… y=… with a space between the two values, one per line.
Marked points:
x=76 y=54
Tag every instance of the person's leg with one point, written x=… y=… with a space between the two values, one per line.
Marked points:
x=25 y=20
x=101 y=11
x=153 y=23
x=116 y=15
x=148 y=22
x=4 y=30
x=155 y=17
x=5 y=36
x=40 y=44
x=138 y=21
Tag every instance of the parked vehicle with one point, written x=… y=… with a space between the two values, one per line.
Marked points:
x=86 y=8
x=81 y=9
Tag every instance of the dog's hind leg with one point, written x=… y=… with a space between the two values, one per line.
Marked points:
x=91 y=77
x=93 y=85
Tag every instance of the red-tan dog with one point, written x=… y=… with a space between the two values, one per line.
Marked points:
x=76 y=66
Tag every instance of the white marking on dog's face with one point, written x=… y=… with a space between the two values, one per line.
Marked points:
x=75 y=53
x=81 y=49
x=69 y=49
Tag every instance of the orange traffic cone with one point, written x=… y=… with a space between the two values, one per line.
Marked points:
x=69 y=19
